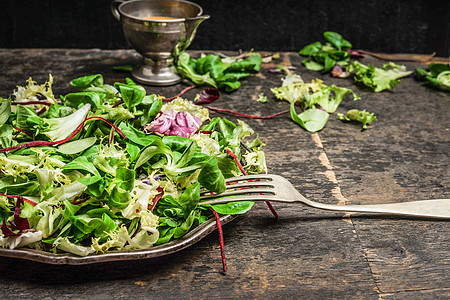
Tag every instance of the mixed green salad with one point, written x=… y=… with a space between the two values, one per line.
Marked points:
x=110 y=167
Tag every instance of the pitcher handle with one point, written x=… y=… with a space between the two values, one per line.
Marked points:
x=114 y=8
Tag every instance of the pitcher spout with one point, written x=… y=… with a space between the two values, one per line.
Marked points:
x=191 y=27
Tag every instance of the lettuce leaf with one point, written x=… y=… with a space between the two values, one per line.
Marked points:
x=379 y=79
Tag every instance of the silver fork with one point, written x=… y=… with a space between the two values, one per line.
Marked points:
x=267 y=187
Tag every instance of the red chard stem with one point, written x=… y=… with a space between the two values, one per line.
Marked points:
x=222 y=246
x=236 y=159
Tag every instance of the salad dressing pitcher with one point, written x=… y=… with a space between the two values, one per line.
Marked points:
x=159 y=30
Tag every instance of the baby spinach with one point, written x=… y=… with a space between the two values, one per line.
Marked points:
x=232 y=208
x=436 y=75
x=312 y=119
x=323 y=57
x=82 y=83
x=91 y=179
x=211 y=177
x=212 y=71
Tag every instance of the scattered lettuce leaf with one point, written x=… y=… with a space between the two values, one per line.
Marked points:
x=379 y=79
x=364 y=117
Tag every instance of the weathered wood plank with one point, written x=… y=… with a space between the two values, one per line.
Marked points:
x=306 y=253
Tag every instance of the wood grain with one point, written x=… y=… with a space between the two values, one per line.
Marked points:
x=306 y=254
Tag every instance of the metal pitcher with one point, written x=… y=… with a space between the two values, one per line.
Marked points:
x=159 y=30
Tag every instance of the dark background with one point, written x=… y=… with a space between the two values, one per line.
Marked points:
x=409 y=26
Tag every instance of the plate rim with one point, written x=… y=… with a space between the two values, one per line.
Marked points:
x=189 y=239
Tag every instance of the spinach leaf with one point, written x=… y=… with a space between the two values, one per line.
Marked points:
x=137 y=136
x=81 y=163
x=18 y=186
x=5 y=111
x=6 y=135
x=312 y=119
x=189 y=199
x=191 y=221
x=232 y=208
x=324 y=57
x=437 y=75
x=85 y=82
x=211 y=177
x=125 y=178
x=119 y=198
x=77 y=100
x=131 y=94
x=337 y=40
x=77 y=146
x=211 y=70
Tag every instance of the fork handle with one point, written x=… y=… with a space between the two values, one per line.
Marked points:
x=436 y=208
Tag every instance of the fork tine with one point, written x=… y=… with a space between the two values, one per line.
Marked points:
x=241 y=192
x=266 y=177
x=218 y=199
x=245 y=185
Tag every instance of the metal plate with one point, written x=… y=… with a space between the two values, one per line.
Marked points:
x=185 y=241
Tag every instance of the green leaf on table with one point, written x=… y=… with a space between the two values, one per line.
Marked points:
x=323 y=57
x=337 y=40
x=312 y=119
x=364 y=117
x=311 y=49
x=379 y=79
x=213 y=71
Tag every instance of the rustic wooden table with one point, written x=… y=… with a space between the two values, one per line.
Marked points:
x=306 y=253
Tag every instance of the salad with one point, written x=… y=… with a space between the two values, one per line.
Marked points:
x=110 y=167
